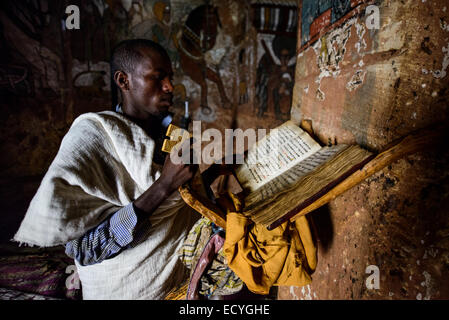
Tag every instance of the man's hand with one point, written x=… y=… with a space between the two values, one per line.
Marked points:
x=175 y=175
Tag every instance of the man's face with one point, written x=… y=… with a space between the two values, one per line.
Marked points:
x=150 y=88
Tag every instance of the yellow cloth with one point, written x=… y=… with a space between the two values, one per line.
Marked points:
x=285 y=256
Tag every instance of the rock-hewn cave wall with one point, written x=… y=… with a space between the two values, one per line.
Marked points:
x=372 y=86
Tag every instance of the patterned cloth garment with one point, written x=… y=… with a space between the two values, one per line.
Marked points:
x=218 y=279
x=113 y=235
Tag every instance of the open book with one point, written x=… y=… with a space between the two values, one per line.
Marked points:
x=287 y=170
x=284 y=172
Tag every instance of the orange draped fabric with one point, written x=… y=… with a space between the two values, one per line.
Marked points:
x=285 y=256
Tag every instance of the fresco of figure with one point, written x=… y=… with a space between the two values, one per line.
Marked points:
x=164 y=32
x=198 y=36
x=275 y=77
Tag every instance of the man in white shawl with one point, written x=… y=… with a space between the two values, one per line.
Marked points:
x=104 y=197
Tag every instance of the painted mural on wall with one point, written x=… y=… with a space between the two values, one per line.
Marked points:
x=15 y=79
x=203 y=50
x=199 y=34
x=28 y=63
x=276 y=24
x=204 y=53
x=275 y=76
x=319 y=16
x=208 y=42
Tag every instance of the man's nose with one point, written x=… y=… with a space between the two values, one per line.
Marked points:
x=167 y=86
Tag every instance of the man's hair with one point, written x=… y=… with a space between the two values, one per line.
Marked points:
x=127 y=54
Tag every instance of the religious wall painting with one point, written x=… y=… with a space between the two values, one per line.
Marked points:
x=91 y=79
x=202 y=51
x=320 y=16
x=15 y=79
x=243 y=94
x=276 y=24
x=275 y=76
x=28 y=62
x=164 y=31
x=199 y=34
x=326 y=29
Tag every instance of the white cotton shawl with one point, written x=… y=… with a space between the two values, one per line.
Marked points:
x=104 y=163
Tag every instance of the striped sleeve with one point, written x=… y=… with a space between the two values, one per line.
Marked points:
x=108 y=239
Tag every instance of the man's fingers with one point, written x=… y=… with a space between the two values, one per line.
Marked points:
x=184 y=176
x=185 y=152
x=190 y=170
x=193 y=167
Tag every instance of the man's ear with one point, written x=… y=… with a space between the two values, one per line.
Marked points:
x=121 y=80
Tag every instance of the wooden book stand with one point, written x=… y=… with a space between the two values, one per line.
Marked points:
x=194 y=192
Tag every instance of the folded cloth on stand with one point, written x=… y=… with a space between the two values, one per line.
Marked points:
x=284 y=256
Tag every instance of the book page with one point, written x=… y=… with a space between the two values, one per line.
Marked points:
x=283 y=148
x=269 y=206
x=291 y=176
